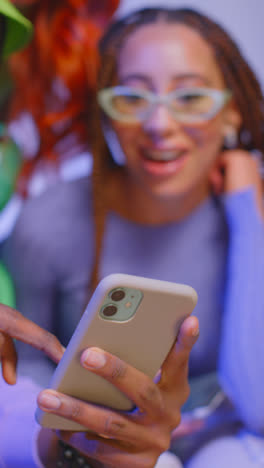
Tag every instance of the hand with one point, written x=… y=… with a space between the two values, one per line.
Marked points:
x=237 y=170
x=133 y=439
x=15 y=325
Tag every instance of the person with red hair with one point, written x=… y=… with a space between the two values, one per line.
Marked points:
x=54 y=80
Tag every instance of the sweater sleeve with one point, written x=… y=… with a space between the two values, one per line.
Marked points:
x=18 y=429
x=241 y=365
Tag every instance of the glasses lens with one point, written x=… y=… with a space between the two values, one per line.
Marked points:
x=193 y=104
x=129 y=104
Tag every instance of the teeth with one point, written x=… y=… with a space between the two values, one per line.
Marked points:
x=164 y=155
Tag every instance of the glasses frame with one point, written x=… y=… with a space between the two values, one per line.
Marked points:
x=220 y=97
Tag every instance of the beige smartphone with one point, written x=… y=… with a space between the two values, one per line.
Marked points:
x=134 y=318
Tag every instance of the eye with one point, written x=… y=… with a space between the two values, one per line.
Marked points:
x=132 y=99
x=186 y=100
x=192 y=102
x=129 y=103
x=190 y=97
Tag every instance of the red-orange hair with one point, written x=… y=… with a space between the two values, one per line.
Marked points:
x=64 y=48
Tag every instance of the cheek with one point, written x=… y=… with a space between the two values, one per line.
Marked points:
x=127 y=136
x=207 y=139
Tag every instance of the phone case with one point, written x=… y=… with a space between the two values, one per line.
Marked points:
x=141 y=333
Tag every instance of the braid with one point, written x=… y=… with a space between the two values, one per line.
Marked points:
x=239 y=78
x=101 y=166
x=237 y=74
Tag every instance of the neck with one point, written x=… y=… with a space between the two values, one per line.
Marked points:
x=131 y=201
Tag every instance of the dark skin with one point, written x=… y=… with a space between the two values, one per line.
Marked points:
x=123 y=439
x=127 y=439
x=14 y=325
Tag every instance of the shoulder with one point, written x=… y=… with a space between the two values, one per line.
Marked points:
x=63 y=198
x=57 y=203
x=55 y=214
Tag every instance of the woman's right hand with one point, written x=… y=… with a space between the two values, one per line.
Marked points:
x=14 y=325
x=136 y=439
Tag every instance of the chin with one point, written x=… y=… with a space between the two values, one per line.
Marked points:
x=169 y=191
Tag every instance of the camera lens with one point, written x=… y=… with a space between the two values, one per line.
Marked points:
x=118 y=295
x=110 y=310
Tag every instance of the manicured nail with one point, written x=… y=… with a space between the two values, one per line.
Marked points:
x=47 y=401
x=195 y=331
x=92 y=359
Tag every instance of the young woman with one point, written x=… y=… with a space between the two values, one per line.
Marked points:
x=175 y=195
x=17 y=403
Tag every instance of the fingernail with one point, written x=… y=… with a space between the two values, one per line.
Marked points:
x=195 y=331
x=48 y=402
x=93 y=359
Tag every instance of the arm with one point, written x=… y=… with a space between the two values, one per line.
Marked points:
x=124 y=439
x=241 y=354
x=242 y=350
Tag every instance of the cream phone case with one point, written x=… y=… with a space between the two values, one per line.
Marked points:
x=141 y=332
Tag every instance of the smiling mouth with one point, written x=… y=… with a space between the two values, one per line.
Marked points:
x=163 y=156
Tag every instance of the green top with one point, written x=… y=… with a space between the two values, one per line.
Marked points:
x=19 y=29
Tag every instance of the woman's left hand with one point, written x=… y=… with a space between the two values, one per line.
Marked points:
x=237 y=170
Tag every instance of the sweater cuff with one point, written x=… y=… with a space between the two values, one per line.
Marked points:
x=35 y=453
x=241 y=210
x=17 y=424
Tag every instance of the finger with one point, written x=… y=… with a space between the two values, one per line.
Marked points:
x=17 y=326
x=133 y=383
x=8 y=359
x=175 y=366
x=110 y=453
x=216 y=180
x=99 y=420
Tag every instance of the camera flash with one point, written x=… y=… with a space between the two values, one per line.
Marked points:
x=128 y=304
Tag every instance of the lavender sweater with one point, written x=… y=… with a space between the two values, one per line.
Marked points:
x=218 y=249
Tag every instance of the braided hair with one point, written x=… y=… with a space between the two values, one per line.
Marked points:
x=238 y=76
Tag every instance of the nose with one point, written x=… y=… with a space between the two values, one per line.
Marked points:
x=160 y=122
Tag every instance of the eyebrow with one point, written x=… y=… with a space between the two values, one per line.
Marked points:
x=177 y=78
x=137 y=77
x=191 y=76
